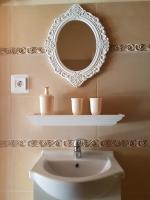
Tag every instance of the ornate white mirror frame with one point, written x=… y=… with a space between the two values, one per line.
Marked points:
x=76 y=12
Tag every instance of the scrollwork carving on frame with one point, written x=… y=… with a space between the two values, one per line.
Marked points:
x=76 y=78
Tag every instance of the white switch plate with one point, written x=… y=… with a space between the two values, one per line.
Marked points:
x=19 y=83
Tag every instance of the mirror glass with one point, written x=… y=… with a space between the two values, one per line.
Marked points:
x=76 y=45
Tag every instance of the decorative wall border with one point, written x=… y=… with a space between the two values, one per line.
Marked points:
x=40 y=50
x=130 y=47
x=22 y=50
x=89 y=144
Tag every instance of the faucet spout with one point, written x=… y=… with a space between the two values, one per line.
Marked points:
x=77 y=148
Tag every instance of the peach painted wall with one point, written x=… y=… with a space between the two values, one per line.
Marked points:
x=123 y=82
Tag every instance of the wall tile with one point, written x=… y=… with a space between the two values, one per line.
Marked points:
x=5 y=26
x=91 y=7
x=22 y=162
x=125 y=75
x=5 y=195
x=135 y=108
x=21 y=107
x=5 y=117
x=133 y=161
x=38 y=69
x=126 y=21
x=126 y=131
x=136 y=123
x=30 y=24
x=21 y=195
x=4 y=75
x=5 y=172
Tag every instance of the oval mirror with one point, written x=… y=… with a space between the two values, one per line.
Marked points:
x=76 y=45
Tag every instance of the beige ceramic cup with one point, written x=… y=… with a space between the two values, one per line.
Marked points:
x=77 y=106
x=96 y=105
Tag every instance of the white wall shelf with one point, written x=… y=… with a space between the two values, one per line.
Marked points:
x=75 y=120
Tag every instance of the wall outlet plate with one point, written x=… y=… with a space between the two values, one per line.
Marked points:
x=19 y=83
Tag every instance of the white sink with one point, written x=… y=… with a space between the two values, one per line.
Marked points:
x=64 y=177
x=77 y=169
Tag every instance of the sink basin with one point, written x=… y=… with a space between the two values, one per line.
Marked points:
x=78 y=169
x=62 y=176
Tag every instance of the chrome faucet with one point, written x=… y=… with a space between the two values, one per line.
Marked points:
x=77 y=148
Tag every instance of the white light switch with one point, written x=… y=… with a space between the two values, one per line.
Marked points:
x=19 y=83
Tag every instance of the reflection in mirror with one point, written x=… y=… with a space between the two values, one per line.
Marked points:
x=76 y=45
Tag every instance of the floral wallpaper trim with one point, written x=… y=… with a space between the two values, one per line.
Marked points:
x=41 y=50
x=90 y=144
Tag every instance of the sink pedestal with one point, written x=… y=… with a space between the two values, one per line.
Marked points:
x=39 y=194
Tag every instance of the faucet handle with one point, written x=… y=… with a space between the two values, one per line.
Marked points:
x=77 y=142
